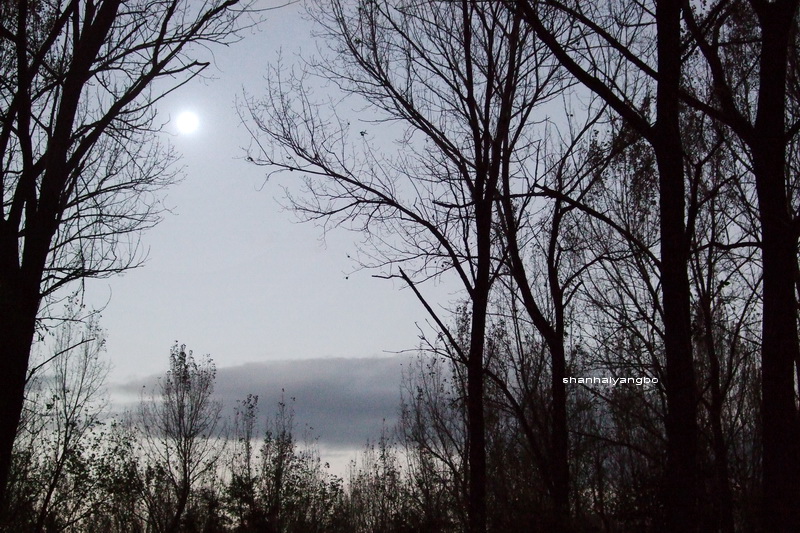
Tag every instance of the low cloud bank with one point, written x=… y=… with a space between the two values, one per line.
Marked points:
x=343 y=401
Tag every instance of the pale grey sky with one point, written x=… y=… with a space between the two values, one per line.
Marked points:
x=230 y=274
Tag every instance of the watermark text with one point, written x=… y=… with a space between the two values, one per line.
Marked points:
x=611 y=381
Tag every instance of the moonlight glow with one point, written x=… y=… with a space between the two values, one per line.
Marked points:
x=187 y=122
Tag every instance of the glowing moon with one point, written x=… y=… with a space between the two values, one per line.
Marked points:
x=187 y=122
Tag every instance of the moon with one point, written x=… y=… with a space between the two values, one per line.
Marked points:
x=187 y=122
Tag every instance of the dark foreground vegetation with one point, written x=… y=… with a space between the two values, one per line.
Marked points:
x=175 y=463
x=612 y=187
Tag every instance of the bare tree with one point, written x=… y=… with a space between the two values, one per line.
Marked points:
x=282 y=485
x=463 y=80
x=80 y=169
x=547 y=257
x=78 y=377
x=242 y=487
x=645 y=44
x=377 y=496
x=432 y=433
x=749 y=51
x=181 y=428
x=63 y=410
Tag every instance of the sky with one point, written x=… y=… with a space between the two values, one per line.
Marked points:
x=232 y=274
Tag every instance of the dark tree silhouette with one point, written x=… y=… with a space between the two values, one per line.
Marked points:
x=750 y=54
x=180 y=422
x=80 y=168
x=463 y=79
x=567 y=29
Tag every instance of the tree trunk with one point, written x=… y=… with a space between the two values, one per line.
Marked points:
x=555 y=341
x=18 y=309
x=560 y=439
x=781 y=467
x=681 y=424
x=476 y=426
x=183 y=498
x=19 y=306
x=553 y=334
x=723 y=496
